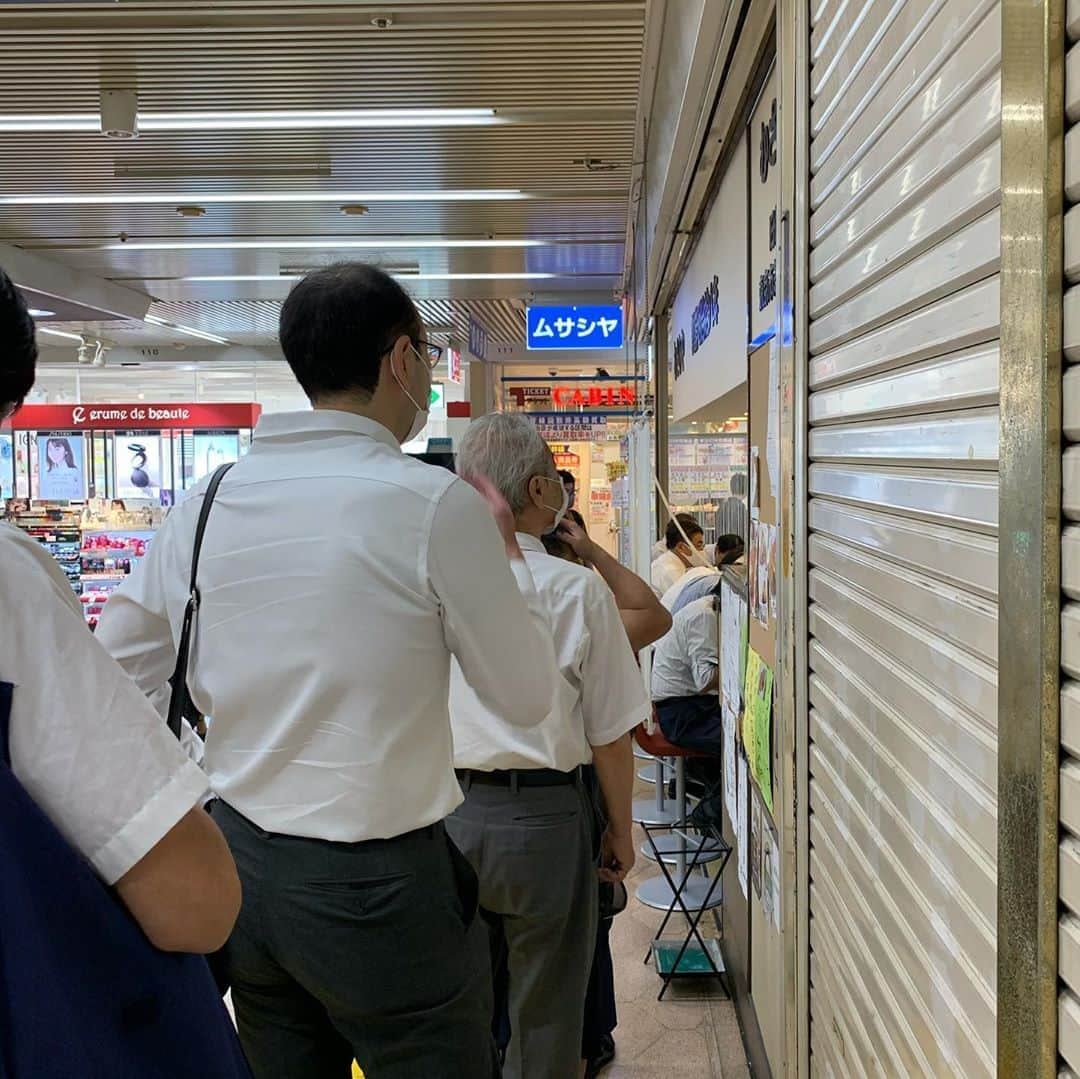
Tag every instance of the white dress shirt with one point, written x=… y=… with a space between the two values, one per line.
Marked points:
x=665 y=571
x=84 y=742
x=337 y=578
x=686 y=659
x=671 y=596
x=599 y=697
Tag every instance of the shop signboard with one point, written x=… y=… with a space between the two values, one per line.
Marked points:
x=613 y=395
x=565 y=327
x=437 y=400
x=575 y=427
x=453 y=365
x=477 y=339
x=143 y=417
x=708 y=323
x=764 y=225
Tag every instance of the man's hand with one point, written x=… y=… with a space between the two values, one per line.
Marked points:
x=577 y=539
x=500 y=510
x=617 y=855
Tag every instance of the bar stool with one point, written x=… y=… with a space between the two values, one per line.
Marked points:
x=659 y=811
x=674 y=849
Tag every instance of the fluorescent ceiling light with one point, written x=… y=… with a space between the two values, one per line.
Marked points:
x=211 y=198
x=257 y=120
x=61 y=333
x=200 y=334
x=38 y=312
x=215 y=279
x=308 y=245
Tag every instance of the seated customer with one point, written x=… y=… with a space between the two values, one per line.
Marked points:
x=681 y=553
x=686 y=676
x=695 y=584
x=527 y=823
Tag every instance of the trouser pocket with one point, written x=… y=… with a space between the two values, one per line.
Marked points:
x=466 y=883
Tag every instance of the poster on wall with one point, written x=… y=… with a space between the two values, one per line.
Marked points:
x=741 y=810
x=757 y=724
x=7 y=467
x=732 y=608
x=138 y=465
x=755 y=843
x=774 y=553
x=211 y=449
x=61 y=465
x=770 y=875
x=763 y=151
x=730 y=775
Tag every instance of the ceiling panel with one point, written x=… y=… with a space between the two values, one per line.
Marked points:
x=561 y=75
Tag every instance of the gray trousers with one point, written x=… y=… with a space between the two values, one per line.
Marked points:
x=533 y=851
x=370 y=950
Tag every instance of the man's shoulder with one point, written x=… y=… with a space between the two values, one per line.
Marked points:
x=27 y=571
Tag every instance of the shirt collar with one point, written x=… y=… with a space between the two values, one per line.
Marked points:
x=293 y=425
x=530 y=543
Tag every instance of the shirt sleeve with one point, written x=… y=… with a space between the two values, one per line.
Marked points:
x=494 y=622
x=87 y=746
x=703 y=646
x=613 y=697
x=135 y=626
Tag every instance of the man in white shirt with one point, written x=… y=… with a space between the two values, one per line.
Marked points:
x=338 y=577
x=680 y=554
x=527 y=824
x=700 y=580
x=686 y=676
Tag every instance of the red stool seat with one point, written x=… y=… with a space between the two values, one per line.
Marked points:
x=659 y=746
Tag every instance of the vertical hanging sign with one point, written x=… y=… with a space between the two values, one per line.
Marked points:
x=764 y=223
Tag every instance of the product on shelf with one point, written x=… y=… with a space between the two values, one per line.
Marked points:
x=55 y=525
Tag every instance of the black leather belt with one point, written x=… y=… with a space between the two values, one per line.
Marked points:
x=520 y=777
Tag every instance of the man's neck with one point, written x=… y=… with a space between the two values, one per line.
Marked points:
x=370 y=408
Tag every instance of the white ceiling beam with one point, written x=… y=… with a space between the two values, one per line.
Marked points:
x=50 y=278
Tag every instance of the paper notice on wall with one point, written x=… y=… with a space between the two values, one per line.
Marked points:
x=757 y=723
x=731 y=799
x=741 y=812
x=731 y=668
x=772 y=438
x=755 y=844
x=770 y=876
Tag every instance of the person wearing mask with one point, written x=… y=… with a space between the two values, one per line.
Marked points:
x=84 y=742
x=685 y=547
x=700 y=580
x=527 y=823
x=338 y=578
x=570 y=487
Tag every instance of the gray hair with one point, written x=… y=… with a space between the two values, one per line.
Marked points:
x=509 y=450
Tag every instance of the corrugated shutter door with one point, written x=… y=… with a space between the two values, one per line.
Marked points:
x=904 y=321
x=1069 y=860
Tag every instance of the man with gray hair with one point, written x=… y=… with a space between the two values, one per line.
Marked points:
x=527 y=824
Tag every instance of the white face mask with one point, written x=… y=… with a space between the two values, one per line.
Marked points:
x=421 y=418
x=560 y=511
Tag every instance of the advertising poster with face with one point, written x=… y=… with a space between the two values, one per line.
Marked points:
x=61 y=466
x=138 y=465
x=7 y=467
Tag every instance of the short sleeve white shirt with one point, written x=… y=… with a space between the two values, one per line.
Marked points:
x=337 y=578
x=666 y=571
x=599 y=697
x=85 y=743
x=687 y=657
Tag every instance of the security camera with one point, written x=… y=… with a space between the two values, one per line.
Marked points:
x=553 y=372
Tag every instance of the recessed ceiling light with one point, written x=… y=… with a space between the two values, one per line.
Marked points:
x=315 y=243
x=38 y=312
x=208 y=198
x=257 y=120
x=202 y=335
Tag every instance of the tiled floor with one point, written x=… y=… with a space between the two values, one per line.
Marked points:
x=693 y=1032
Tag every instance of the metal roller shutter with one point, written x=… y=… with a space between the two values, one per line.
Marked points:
x=1069 y=805
x=903 y=444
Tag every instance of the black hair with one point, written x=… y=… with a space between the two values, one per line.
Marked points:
x=18 y=346
x=738 y=485
x=567 y=477
x=69 y=456
x=577 y=519
x=673 y=537
x=338 y=323
x=730 y=544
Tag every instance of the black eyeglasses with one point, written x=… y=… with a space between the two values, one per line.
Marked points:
x=433 y=353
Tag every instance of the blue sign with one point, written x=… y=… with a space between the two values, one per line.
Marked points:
x=574 y=327
x=477 y=339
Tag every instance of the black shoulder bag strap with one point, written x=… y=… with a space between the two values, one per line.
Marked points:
x=179 y=678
